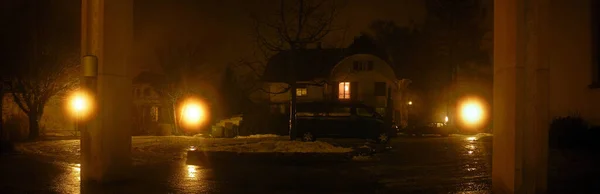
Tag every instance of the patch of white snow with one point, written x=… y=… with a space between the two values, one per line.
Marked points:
x=258 y=136
x=281 y=147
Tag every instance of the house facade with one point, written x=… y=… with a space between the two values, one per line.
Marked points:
x=357 y=73
x=147 y=104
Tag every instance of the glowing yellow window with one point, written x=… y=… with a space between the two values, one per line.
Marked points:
x=344 y=90
x=301 y=91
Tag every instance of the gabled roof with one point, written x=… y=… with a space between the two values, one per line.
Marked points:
x=309 y=64
x=147 y=77
x=316 y=63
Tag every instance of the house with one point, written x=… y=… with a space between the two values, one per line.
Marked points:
x=148 y=105
x=357 y=73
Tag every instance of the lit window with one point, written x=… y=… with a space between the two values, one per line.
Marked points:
x=344 y=90
x=154 y=113
x=301 y=91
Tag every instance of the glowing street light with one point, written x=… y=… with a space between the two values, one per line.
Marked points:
x=80 y=105
x=193 y=113
x=409 y=102
x=472 y=113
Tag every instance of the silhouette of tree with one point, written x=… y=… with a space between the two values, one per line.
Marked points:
x=183 y=69
x=43 y=57
x=293 y=26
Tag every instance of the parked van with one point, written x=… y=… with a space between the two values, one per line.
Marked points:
x=340 y=120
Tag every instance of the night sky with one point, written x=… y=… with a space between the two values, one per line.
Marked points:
x=225 y=27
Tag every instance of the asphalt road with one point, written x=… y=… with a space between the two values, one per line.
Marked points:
x=409 y=165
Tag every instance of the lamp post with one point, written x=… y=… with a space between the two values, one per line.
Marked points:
x=79 y=105
x=409 y=103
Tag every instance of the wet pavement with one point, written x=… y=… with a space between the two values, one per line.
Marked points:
x=410 y=165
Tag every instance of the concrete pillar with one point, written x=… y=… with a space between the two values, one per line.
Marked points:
x=520 y=109
x=107 y=32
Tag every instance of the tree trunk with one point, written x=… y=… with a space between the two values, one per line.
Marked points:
x=293 y=103
x=175 y=118
x=34 y=125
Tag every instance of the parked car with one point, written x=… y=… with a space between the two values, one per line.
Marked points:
x=428 y=128
x=341 y=120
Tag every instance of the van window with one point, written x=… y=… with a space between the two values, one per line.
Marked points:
x=363 y=112
x=340 y=111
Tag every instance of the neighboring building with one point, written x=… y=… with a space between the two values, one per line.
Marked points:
x=357 y=73
x=147 y=103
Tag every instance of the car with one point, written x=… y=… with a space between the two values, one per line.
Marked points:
x=428 y=128
x=341 y=120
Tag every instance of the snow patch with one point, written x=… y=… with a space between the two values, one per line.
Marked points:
x=280 y=147
x=258 y=136
x=362 y=158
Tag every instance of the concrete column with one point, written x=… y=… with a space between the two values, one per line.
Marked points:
x=520 y=97
x=107 y=32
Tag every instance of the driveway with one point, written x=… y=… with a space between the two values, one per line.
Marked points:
x=455 y=164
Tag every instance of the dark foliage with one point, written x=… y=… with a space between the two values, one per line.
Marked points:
x=234 y=101
x=572 y=132
x=40 y=41
x=259 y=120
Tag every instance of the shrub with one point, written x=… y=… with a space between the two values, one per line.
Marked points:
x=570 y=132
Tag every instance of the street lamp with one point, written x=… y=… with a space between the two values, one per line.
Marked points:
x=80 y=105
x=193 y=113
x=472 y=113
x=409 y=102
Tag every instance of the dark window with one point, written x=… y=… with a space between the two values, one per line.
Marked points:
x=356 y=65
x=370 y=65
x=363 y=112
x=380 y=89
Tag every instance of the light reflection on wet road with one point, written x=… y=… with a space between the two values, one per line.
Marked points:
x=425 y=165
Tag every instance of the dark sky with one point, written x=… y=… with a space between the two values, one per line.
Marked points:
x=224 y=26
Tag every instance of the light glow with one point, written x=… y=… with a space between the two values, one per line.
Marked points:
x=193 y=113
x=80 y=104
x=472 y=112
x=409 y=102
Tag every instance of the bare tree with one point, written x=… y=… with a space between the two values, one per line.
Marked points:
x=455 y=33
x=50 y=74
x=182 y=69
x=293 y=26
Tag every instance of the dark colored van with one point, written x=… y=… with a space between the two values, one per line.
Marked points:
x=340 y=120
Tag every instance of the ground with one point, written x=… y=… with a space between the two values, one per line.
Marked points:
x=456 y=164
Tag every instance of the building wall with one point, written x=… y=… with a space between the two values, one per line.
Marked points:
x=344 y=72
x=570 y=60
x=366 y=79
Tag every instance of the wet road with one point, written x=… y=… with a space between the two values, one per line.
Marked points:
x=412 y=165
